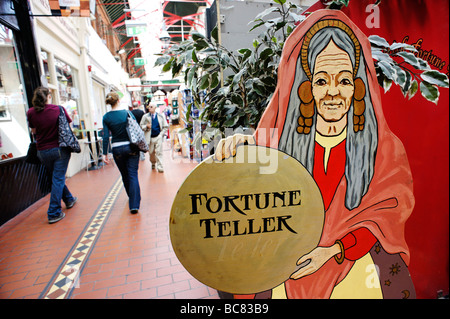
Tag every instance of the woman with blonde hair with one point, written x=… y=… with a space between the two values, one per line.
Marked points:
x=126 y=158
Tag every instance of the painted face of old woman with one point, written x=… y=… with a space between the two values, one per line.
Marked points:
x=332 y=84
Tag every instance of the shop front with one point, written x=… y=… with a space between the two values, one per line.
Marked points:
x=21 y=183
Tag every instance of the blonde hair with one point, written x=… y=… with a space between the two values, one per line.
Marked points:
x=112 y=98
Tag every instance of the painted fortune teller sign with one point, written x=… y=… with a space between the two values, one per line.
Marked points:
x=326 y=127
x=232 y=223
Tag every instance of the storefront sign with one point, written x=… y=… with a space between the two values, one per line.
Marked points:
x=68 y=3
x=73 y=8
x=135 y=27
x=140 y=61
x=240 y=226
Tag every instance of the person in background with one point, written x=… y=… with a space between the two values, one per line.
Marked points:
x=154 y=125
x=126 y=159
x=138 y=114
x=43 y=121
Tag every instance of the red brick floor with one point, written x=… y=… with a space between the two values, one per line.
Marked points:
x=132 y=256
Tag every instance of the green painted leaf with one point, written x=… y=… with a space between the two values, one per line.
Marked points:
x=409 y=58
x=423 y=65
x=405 y=46
x=379 y=55
x=387 y=84
x=413 y=89
x=378 y=41
x=401 y=76
x=429 y=91
x=435 y=77
x=388 y=70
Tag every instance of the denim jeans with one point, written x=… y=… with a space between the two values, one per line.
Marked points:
x=56 y=161
x=127 y=162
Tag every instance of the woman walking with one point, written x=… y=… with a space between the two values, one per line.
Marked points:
x=127 y=159
x=43 y=121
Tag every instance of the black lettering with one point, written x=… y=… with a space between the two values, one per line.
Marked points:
x=258 y=205
x=266 y=223
x=208 y=204
x=194 y=198
x=246 y=197
x=222 y=227
x=250 y=227
x=236 y=228
x=282 y=220
x=279 y=196
x=229 y=200
x=208 y=226
x=292 y=196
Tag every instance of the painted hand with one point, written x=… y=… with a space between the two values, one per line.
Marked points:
x=312 y=261
x=227 y=146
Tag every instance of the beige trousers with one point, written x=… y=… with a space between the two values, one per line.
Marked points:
x=155 y=151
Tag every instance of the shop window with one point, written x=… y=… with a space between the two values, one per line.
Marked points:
x=44 y=57
x=14 y=132
x=68 y=91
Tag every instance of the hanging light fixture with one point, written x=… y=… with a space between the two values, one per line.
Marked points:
x=164 y=36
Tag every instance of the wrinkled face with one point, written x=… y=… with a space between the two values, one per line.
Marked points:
x=332 y=85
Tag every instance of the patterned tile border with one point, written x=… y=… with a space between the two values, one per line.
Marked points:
x=66 y=277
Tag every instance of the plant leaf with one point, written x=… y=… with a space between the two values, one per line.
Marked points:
x=379 y=41
x=423 y=65
x=215 y=34
x=413 y=89
x=214 y=80
x=379 y=55
x=429 y=91
x=167 y=66
x=266 y=12
x=197 y=35
x=387 y=84
x=266 y=53
x=401 y=76
x=191 y=74
x=409 y=58
x=397 y=45
x=237 y=77
x=194 y=56
x=162 y=60
x=435 y=77
x=388 y=70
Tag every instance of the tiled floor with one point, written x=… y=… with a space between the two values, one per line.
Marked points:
x=100 y=250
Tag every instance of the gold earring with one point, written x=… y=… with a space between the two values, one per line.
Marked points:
x=359 y=106
x=306 y=108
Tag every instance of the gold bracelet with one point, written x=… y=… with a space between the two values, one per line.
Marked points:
x=341 y=259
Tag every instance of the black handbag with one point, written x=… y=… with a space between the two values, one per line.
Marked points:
x=32 y=157
x=66 y=138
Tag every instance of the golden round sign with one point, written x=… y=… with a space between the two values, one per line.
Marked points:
x=240 y=225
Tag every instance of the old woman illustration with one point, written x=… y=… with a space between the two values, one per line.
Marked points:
x=326 y=112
